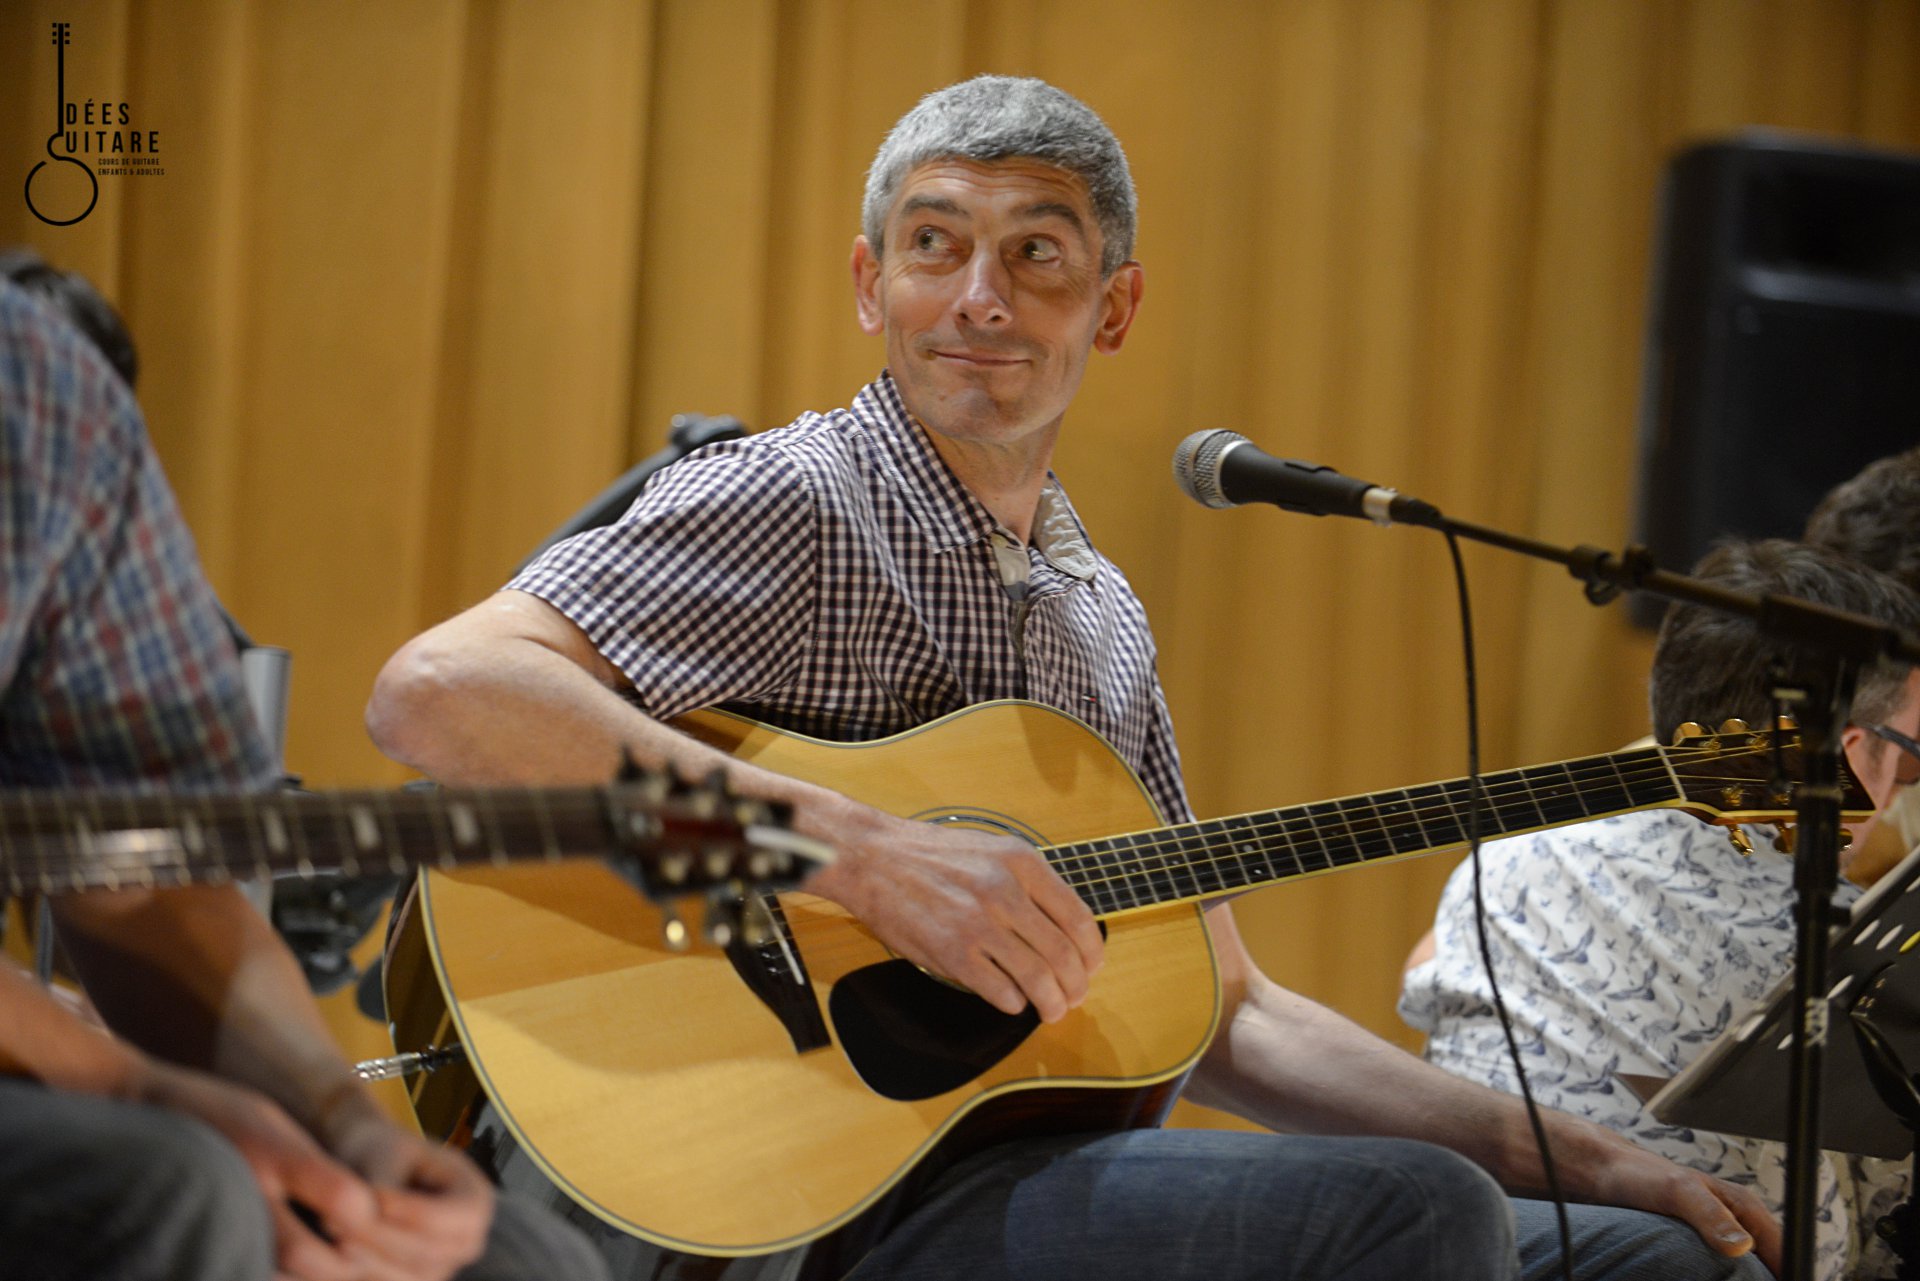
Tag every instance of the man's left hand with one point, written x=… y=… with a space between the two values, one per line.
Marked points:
x=1730 y=1218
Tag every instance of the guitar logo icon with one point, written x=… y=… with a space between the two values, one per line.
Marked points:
x=61 y=35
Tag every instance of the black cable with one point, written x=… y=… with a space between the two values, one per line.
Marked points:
x=1476 y=799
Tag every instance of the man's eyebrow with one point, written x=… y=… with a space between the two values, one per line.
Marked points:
x=1055 y=209
x=1034 y=212
x=937 y=204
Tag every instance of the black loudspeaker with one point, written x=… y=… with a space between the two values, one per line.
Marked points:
x=1783 y=344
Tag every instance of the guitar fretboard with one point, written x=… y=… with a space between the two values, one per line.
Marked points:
x=1218 y=856
x=79 y=840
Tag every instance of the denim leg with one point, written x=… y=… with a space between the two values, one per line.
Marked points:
x=1611 y=1244
x=98 y=1190
x=1151 y=1205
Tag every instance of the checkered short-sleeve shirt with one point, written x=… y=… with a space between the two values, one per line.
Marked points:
x=834 y=578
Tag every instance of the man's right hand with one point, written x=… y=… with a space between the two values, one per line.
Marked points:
x=983 y=910
x=290 y=1166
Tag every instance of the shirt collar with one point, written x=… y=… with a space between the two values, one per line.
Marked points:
x=947 y=512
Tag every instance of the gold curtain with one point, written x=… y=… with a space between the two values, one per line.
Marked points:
x=419 y=278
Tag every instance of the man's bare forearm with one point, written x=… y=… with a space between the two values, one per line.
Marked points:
x=197 y=976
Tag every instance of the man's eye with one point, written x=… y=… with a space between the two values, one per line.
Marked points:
x=928 y=238
x=1040 y=251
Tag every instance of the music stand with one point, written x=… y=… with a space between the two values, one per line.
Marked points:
x=1869 y=1103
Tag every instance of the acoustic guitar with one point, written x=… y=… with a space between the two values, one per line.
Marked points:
x=767 y=1109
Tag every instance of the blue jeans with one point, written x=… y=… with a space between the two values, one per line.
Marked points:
x=96 y=1190
x=1154 y=1205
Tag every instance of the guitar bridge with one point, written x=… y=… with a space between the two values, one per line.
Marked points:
x=773 y=971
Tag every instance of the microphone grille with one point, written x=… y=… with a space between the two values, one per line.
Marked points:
x=1196 y=465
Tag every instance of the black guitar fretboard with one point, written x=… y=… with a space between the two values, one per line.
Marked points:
x=1199 y=860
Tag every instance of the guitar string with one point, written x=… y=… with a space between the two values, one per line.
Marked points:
x=1270 y=852
x=57 y=835
x=1294 y=826
x=1514 y=783
x=1516 y=789
x=1517 y=786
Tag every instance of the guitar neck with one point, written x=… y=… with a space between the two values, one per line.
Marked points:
x=76 y=840
x=1220 y=856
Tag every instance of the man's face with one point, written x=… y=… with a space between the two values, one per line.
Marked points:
x=990 y=296
x=1881 y=768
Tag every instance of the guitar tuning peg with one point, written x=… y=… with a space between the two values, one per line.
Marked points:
x=673 y=930
x=706 y=798
x=716 y=862
x=630 y=770
x=1687 y=730
x=1742 y=843
x=1733 y=725
x=1783 y=837
x=749 y=811
x=756 y=922
x=719 y=925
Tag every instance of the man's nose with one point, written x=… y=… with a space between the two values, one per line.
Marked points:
x=986 y=293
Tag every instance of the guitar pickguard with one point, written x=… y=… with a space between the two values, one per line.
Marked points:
x=910 y=1036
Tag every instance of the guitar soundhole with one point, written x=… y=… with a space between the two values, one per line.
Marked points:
x=912 y=1037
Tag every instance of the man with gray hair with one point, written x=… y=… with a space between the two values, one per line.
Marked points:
x=864 y=571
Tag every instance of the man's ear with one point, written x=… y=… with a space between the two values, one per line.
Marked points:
x=865 y=266
x=1121 y=303
x=1862 y=753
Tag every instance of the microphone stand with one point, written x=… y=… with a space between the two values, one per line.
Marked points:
x=1823 y=696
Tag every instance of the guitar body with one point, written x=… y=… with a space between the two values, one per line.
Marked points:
x=768 y=1110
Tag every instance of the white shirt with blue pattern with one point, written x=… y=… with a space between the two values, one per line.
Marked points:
x=1627 y=945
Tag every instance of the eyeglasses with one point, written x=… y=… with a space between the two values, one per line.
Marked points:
x=1909 y=775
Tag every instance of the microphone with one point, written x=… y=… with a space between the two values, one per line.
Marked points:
x=1221 y=468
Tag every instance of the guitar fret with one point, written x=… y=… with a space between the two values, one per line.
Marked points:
x=1372 y=838
x=1526 y=779
x=1250 y=843
x=1445 y=827
x=490 y=826
x=1135 y=888
x=1655 y=785
x=548 y=843
x=438 y=825
x=1395 y=809
x=466 y=827
x=1322 y=855
x=1610 y=800
x=1565 y=804
x=1107 y=875
x=1510 y=813
x=175 y=838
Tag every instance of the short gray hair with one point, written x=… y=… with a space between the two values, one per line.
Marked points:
x=993 y=118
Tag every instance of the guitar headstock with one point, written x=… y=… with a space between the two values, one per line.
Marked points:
x=1729 y=775
x=678 y=841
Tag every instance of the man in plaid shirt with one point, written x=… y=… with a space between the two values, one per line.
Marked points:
x=863 y=571
x=179 y=1148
